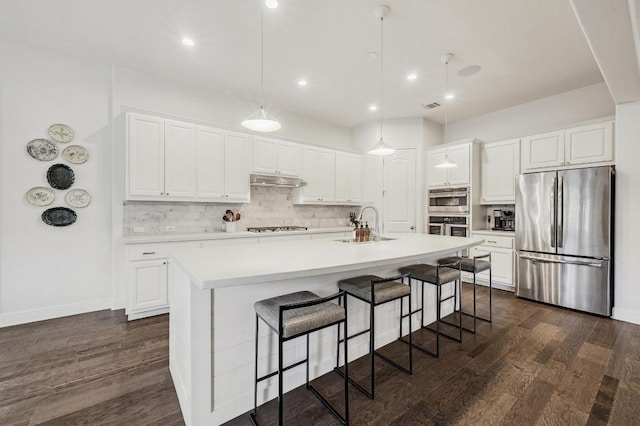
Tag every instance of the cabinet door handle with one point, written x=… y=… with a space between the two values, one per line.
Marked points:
x=167 y=193
x=148 y=252
x=164 y=263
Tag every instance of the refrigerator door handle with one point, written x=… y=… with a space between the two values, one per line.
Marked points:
x=560 y=212
x=564 y=262
x=552 y=222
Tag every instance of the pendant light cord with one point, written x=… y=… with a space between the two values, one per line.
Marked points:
x=381 y=71
x=262 y=57
x=446 y=106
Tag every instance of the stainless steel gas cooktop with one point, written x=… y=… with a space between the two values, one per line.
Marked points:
x=276 y=228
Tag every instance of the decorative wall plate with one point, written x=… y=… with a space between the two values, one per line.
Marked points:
x=76 y=154
x=78 y=198
x=42 y=149
x=40 y=196
x=61 y=133
x=59 y=216
x=60 y=176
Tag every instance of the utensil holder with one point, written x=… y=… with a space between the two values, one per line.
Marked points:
x=230 y=227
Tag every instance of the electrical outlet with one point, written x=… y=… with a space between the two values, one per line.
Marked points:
x=138 y=229
x=170 y=228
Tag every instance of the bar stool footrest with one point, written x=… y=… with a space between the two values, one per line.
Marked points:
x=420 y=348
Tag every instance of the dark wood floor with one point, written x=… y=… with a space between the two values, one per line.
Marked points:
x=534 y=365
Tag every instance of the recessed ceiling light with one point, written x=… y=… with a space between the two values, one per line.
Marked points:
x=373 y=107
x=188 y=42
x=469 y=71
x=372 y=55
x=412 y=76
x=302 y=83
x=449 y=96
x=271 y=4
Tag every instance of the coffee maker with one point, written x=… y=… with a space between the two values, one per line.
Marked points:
x=503 y=220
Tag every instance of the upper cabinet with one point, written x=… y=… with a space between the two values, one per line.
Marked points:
x=223 y=166
x=319 y=171
x=178 y=161
x=348 y=178
x=272 y=156
x=459 y=175
x=587 y=144
x=500 y=164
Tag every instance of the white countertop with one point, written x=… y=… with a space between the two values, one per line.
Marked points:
x=491 y=232
x=200 y=236
x=215 y=267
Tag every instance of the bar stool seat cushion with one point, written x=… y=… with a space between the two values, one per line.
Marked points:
x=466 y=263
x=360 y=287
x=298 y=321
x=428 y=273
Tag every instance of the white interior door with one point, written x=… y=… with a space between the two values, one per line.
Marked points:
x=400 y=191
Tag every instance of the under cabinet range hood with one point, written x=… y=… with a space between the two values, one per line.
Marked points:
x=274 y=180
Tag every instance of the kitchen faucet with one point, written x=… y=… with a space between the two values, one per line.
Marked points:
x=378 y=233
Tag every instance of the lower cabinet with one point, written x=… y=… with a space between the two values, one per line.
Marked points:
x=148 y=278
x=502 y=261
x=148 y=290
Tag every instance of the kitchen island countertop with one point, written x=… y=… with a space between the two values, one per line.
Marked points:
x=293 y=259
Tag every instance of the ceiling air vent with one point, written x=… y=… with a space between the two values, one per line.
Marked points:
x=432 y=105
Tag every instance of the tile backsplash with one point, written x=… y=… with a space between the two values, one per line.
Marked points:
x=270 y=206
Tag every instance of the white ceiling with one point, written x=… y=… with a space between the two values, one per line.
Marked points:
x=528 y=49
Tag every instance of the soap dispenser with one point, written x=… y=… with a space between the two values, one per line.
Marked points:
x=367 y=232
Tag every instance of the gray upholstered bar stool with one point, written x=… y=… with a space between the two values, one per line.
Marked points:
x=437 y=275
x=375 y=291
x=293 y=315
x=474 y=265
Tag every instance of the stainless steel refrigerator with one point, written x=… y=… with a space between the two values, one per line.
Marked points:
x=564 y=238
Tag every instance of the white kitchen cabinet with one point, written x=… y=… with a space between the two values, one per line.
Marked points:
x=170 y=160
x=237 y=167
x=319 y=171
x=578 y=145
x=589 y=144
x=161 y=159
x=148 y=291
x=148 y=278
x=459 y=175
x=210 y=163
x=348 y=178
x=223 y=165
x=502 y=259
x=500 y=164
x=179 y=160
x=273 y=156
x=145 y=159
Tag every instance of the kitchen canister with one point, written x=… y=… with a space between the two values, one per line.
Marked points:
x=230 y=227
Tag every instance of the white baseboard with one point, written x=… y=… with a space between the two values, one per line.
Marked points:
x=23 y=317
x=626 y=315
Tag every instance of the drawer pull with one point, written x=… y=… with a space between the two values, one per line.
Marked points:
x=492 y=241
x=148 y=252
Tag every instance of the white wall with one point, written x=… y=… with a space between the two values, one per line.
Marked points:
x=416 y=133
x=47 y=271
x=627 y=249
x=560 y=110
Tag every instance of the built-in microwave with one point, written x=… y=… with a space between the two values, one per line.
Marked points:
x=449 y=200
x=453 y=226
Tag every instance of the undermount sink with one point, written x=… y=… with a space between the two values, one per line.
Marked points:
x=353 y=241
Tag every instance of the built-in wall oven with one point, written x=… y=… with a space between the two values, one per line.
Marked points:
x=453 y=226
x=449 y=200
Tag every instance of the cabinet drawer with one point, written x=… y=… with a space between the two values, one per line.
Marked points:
x=496 y=240
x=148 y=252
x=158 y=251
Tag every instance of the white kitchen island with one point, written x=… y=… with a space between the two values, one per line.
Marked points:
x=212 y=321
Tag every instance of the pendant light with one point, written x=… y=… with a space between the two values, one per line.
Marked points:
x=446 y=163
x=382 y=148
x=261 y=120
